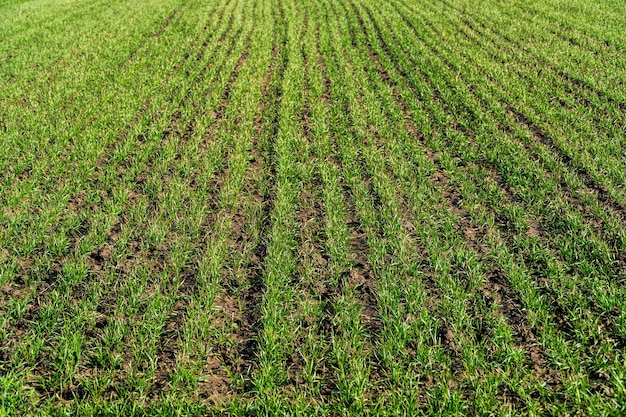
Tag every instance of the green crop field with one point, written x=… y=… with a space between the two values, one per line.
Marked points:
x=313 y=207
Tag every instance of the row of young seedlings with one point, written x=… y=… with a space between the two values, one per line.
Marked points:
x=347 y=202
x=274 y=340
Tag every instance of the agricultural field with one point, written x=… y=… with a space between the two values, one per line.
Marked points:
x=321 y=207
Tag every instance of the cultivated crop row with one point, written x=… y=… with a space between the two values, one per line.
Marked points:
x=337 y=208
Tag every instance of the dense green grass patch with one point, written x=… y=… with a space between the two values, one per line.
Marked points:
x=279 y=207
